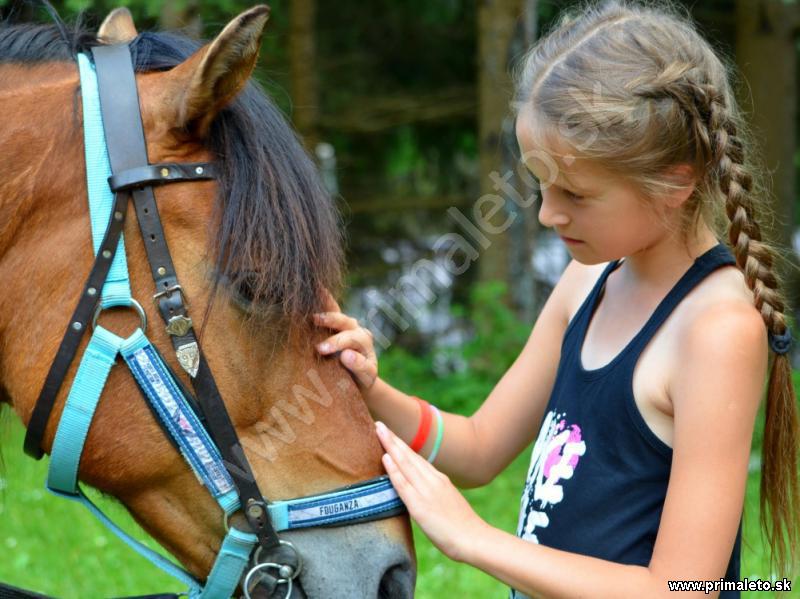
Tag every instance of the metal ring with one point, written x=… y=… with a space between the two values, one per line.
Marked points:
x=297 y=570
x=134 y=304
x=256 y=568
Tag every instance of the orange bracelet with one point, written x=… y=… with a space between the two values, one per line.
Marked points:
x=426 y=417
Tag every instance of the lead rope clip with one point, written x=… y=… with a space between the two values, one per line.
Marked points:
x=286 y=572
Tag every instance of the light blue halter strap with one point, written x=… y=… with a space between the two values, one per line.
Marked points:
x=73 y=428
x=93 y=372
x=68 y=446
x=117 y=289
x=159 y=387
x=335 y=507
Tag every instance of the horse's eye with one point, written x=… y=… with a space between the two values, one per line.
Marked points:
x=242 y=287
x=246 y=287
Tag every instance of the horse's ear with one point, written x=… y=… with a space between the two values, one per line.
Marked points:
x=118 y=27
x=212 y=77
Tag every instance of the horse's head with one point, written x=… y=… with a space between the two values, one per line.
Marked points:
x=254 y=251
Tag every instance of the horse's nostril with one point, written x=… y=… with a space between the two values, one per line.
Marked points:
x=397 y=582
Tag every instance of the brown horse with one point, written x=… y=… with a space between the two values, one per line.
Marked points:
x=254 y=251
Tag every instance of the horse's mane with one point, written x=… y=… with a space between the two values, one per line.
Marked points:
x=278 y=238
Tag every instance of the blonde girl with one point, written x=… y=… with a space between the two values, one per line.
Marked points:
x=642 y=377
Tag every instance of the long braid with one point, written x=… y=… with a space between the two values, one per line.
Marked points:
x=779 y=485
x=716 y=144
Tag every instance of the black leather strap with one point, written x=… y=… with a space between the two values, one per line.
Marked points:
x=9 y=592
x=81 y=320
x=159 y=174
x=126 y=148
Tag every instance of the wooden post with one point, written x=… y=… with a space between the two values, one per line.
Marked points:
x=497 y=23
x=303 y=65
x=766 y=51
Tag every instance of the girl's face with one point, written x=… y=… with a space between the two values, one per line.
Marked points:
x=599 y=216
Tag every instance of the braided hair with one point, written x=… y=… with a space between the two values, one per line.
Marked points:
x=657 y=95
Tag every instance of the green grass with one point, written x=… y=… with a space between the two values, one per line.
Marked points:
x=56 y=547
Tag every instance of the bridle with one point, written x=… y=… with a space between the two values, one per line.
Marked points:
x=199 y=426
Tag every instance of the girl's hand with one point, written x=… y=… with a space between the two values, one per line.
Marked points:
x=432 y=500
x=353 y=342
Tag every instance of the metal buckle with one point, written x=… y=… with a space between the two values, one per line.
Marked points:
x=134 y=304
x=285 y=572
x=168 y=291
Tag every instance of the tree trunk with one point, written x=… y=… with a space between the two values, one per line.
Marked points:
x=766 y=37
x=497 y=24
x=181 y=15
x=303 y=65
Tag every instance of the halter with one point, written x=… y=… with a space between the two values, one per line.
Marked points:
x=201 y=429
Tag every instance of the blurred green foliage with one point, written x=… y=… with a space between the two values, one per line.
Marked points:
x=497 y=338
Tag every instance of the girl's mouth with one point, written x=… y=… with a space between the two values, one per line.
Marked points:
x=569 y=240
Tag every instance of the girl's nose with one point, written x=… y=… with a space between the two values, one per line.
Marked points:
x=551 y=213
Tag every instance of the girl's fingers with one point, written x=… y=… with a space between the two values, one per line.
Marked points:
x=337 y=321
x=427 y=471
x=404 y=488
x=405 y=459
x=364 y=370
x=350 y=339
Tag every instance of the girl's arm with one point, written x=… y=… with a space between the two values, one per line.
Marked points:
x=476 y=448
x=715 y=396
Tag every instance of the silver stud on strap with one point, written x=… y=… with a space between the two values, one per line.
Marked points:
x=179 y=325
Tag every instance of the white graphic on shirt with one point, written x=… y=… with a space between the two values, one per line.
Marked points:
x=554 y=458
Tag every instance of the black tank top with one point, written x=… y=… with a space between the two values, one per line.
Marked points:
x=598 y=474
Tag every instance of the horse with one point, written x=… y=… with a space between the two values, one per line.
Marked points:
x=256 y=250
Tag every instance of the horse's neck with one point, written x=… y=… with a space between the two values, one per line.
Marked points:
x=41 y=186
x=41 y=158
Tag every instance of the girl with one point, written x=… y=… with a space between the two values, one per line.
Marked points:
x=643 y=373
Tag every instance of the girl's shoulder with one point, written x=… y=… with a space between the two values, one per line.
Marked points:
x=726 y=282
x=721 y=305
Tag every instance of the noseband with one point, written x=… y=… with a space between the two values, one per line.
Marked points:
x=198 y=425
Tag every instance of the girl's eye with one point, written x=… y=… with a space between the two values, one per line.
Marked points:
x=569 y=194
